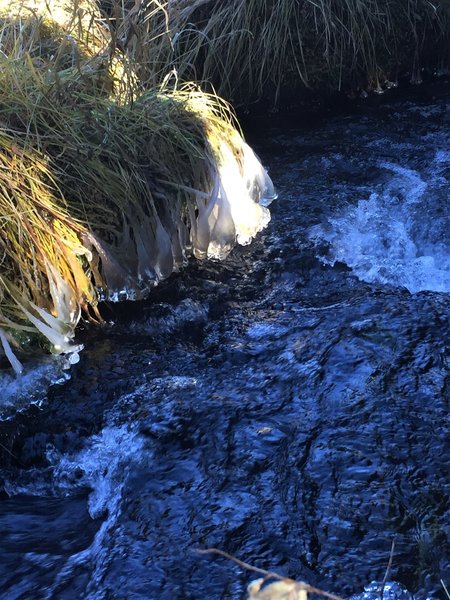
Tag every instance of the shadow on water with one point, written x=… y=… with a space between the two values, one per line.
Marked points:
x=289 y=406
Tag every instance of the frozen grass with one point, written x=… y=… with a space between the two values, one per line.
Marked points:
x=114 y=168
x=105 y=188
x=248 y=49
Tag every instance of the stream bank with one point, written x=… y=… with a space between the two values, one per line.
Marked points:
x=289 y=405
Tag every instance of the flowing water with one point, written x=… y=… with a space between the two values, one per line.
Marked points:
x=288 y=406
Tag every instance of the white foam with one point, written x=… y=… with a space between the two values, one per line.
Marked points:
x=31 y=387
x=103 y=465
x=392 y=237
x=100 y=466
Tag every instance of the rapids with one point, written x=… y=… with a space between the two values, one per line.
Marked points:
x=288 y=405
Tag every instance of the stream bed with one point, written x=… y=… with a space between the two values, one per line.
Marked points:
x=288 y=406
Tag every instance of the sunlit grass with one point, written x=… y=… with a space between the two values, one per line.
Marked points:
x=106 y=187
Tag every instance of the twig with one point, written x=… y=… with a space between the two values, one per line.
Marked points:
x=12 y=455
x=445 y=588
x=268 y=574
x=241 y=563
x=388 y=568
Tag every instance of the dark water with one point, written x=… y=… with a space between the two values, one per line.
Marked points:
x=288 y=406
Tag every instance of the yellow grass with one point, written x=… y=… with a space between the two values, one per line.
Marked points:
x=105 y=188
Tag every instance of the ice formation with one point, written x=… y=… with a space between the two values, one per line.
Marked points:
x=235 y=210
x=155 y=240
x=159 y=240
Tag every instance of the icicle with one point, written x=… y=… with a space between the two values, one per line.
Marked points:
x=257 y=180
x=120 y=283
x=64 y=298
x=164 y=262
x=146 y=251
x=223 y=234
x=178 y=241
x=249 y=217
x=55 y=323
x=13 y=360
x=203 y=230
x=60 y=342
x=169 y=214
x=202 y=224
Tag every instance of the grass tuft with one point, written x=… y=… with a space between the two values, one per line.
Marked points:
x=105 y=188
x=253 y=49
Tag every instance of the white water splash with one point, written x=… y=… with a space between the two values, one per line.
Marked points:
x=398 y=236
x=389 y=590
x=104 y=465
x=32 y=386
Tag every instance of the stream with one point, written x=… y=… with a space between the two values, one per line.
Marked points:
x=288 y=406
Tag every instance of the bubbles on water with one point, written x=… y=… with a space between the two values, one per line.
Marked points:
x=174 y=382
x=168 y=318
x=390 y=591
x=73 y=358
x=442 y=157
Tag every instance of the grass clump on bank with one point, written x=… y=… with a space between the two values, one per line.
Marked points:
x=105 y=189
x=265 y=49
